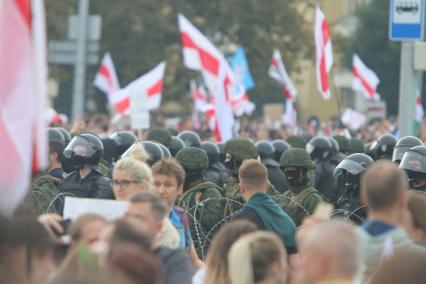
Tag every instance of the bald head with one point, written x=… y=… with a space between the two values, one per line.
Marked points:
x=330 y=250
x=383 y=185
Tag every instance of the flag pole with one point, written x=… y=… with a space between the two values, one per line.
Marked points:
x=335 y=91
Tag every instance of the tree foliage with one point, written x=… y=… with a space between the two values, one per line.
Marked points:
x=140 y=34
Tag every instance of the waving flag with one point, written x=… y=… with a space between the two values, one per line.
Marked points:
x=278 y=72
x=419 y=109
x=23 y=77
x=151 y=82
x=290 y=115
x=200 y=54
x=324 y=54
x=106 y=79
x=364 y=79
x=240 y=66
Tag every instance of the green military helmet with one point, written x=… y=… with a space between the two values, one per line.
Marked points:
x=241 y=149
x=297 y=141
x=356 y=146
x=193 y=158
x=160 y=135
x=296 y=157
x=344 y=143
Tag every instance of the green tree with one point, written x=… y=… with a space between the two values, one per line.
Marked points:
x=140 y=34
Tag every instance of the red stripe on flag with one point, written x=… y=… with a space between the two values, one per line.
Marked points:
x=25 y=10
x=216 y=132
x=209 y=62
x=323 y=74
x=274 y=63
x=325 y=32
x=103 y=70
x=123 y=105
x=156 y=89
x=370 y=90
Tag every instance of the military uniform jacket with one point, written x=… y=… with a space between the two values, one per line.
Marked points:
x=301 y=204
x=204 y=203
x=44 y=189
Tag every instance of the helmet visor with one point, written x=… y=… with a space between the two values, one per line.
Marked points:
x=413 y=161
x=350 y=166
x=80 y=146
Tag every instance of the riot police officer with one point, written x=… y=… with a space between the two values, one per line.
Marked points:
x=190 y=138
x=123 y=139
x=176 y=144
x=414 y=164
x=403 y=145
x=349 y=173
x=275 y=175
x=382 y=148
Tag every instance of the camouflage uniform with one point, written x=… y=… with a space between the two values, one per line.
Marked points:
x=239 y=150
x=301 y=200
x=44 y=190
x=202 y=199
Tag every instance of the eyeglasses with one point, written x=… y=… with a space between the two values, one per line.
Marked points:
x=123 y=183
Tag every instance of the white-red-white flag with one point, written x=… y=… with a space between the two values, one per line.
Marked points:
x=364 y=79
x=106 y=79
x=23 y=77
x=324 y=54
x=200 y=54
x=202 y=104
x=278 y=72
x=290 y=114
x=419 y=109
x=151 y=82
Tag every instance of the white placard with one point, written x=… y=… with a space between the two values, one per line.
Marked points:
x=109 y=209
x=139 y=113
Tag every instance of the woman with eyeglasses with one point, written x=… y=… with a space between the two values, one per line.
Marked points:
x=131 y=176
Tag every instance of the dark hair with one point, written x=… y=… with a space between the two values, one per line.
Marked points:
x=56 y=147
x=157 y=205
x=126 y=232
x=169 y=167
x=382 y=185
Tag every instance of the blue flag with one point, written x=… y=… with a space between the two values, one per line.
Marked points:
x=240 y=65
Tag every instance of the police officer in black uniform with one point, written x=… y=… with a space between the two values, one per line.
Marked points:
x=349 y=173
x=280 y=146
x=123 y=139
x=414 y=164
x=403 y=145
x=275 y=175
x=319 y=149
x=85 y=150
x=382 y=148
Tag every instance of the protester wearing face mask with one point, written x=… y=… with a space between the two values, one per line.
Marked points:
x=86 y=180
x=301 y=200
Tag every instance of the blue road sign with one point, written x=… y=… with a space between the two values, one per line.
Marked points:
x=406 y=20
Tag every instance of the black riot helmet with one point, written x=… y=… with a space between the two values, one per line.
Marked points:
x=266 y=153
x=176 y=144
x=66 y=134
x=382 y=148
x=403 y=145
x=212 y=150
x=154 y=152
x=349 y=171
x=165 y=150
x=414 y=161
x=319 y=148
x=55 y=134
x=334 y=145
x=110 y=149
x=123 y=139
x=85 y=148
x=190 y=138
x=280 y=147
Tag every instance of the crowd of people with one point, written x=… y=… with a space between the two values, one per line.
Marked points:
x=262 y=208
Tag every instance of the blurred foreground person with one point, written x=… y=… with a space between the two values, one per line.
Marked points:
x=150 y=209
x=259 y=207
x=330 y=252
x=259 y=257
x=216 y=269
x=384 y=190
x=414 y=222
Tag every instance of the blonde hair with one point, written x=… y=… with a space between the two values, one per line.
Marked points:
x=137 y=169
x=137 y=151
x=250 y=258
